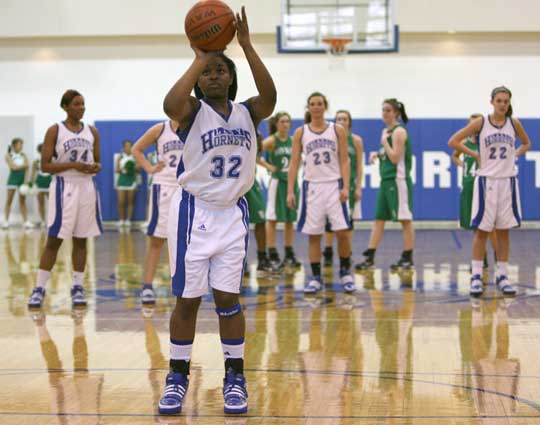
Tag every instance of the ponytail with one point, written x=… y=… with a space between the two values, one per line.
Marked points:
x=307 y=117
x=399 y=107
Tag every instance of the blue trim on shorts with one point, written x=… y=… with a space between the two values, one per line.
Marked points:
x=156 y=189
x=515 y=209
x=191 y=202
x=481 y=202
x=180 y=169
x=344 y=207
x=179 y=279
x=242 y=204
x=54 y=230
x=303 y=211
x=236 y=341
x=98 y=209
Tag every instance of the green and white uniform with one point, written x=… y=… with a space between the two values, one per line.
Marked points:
x=255 y=200
x=16 y=177
x=43 y=180
x=467 y=182
x=127 y=177
x=394 y=197
x=280 y=157
x=355 y=214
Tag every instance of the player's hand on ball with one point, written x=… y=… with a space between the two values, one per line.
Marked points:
x=291 y=201
x=157 y=168
x=343 y=195
x=205 y=56
x=242 y=28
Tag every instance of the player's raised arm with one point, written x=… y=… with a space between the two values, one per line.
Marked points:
x=522 y=136
x=471 y=129
x=143 y=143
x=263 y=104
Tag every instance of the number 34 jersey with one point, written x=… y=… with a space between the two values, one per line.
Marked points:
x=74 y=146
x=218 y=163
x=169 y=149
x=320 y=149
x=497 y=146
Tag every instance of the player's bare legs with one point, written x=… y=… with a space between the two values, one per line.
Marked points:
x=375 y=239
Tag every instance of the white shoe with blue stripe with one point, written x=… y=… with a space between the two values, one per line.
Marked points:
x=235 y=393
x=505 y=286
x=347 y=280
x=176 y=386
x=36 y=298
x=313 y=285
x=477 y=286
x=77 y=296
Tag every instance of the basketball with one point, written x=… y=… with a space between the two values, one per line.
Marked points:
x=209 y=25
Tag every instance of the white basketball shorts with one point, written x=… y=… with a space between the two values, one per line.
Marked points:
x=74 y=208
x=319 y=202
x=207 y=245
x=160 y=201
x=496 y=203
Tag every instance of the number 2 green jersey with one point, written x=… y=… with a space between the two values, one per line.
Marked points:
x=280 y=157
x=402 y=169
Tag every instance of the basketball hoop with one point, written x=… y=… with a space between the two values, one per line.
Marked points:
x=337 y=48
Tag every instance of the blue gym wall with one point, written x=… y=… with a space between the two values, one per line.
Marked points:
x=426 y=135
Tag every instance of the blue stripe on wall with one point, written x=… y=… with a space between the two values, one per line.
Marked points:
x=426 y=135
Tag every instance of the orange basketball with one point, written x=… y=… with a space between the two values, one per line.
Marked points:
x=209 y=25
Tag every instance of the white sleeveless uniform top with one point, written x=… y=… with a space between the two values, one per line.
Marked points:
x=169 y=149
x=497 y=146
x=74 y=147
x=218 y=162
x=321 y=161
x=17 y=158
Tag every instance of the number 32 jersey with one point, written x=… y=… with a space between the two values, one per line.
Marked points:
x=74 y=146
x=497 y=146
x=169 y=149
x=218 y=162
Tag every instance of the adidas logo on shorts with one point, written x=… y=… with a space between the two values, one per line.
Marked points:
x=202 y=227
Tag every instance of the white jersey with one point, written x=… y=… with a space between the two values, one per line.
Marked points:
x=74 y=146
x=218 y=163
x=497 y=146
x=321 y=161
x=17 y=158
x=169 y=149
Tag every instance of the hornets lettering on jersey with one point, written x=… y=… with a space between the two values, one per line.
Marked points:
x=173 y=145
x=223 y=136
x=321 y=144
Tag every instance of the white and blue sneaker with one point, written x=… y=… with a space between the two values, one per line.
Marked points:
x=347 y=280
x=77 y=296
x=148 y=296
x=235 y=393
x=477 y=286
x=505 y=286
x=36 y=298
x=176 y=386
x=313 y=285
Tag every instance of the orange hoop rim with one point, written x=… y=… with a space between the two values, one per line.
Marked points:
x=337 y=44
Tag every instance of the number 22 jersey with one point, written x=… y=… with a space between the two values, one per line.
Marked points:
x=218 y=162
x=497 y=146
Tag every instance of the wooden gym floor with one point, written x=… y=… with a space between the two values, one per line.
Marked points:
x=405 y=349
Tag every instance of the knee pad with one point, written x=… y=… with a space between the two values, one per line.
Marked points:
x=229 y=312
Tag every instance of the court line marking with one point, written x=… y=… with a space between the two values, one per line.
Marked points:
x=456 y=239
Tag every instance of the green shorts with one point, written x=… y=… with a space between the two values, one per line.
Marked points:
x=465 y=205
x=255 y=200
x=394 y=200
x=15 y=179
x=43 y=182
x=352 y=189
x=126 y=182
x=276 y=207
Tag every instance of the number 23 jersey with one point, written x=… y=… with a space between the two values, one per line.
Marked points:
x=74 y=146
x=218 y=162
x=320 y=149
x=169 y=150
